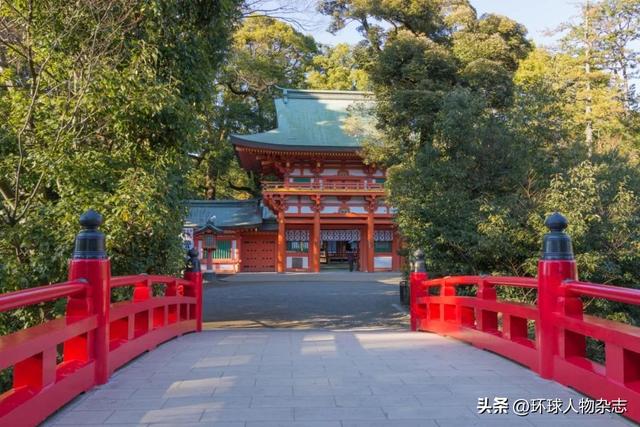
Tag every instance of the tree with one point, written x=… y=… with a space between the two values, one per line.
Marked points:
x=104 y=102
x=481 y=140
x=336 y=68
x=442 y=98
x=617 y=27
x=265 y=54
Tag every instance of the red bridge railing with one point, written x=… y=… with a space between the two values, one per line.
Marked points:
x=55 y=361
x=550 y=336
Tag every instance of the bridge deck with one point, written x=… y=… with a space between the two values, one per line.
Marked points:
x=278 y=377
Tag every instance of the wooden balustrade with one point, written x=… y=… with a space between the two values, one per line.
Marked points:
x=57 y=360
x=548 y=336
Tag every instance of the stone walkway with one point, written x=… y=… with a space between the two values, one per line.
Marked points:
x=317 y=378
x=305 y=301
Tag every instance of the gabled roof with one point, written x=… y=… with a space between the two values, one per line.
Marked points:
x=209 y=227
x=225 y=214
x=310 y=120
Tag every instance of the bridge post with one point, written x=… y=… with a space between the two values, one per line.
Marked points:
x=556 y=265
x=416 y=277
x=90 y=262
x=193 y=273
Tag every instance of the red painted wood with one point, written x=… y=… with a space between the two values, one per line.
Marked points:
x=97 y=336
x=558 y=351
x=258 y=253
x=17 y=299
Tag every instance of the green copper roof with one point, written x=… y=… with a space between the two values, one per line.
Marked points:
x=226 y=213
x=310 y=119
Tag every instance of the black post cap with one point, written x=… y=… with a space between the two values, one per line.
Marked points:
x=556 y=245
x=419 y=265
x=90 y=240
x=193 y=262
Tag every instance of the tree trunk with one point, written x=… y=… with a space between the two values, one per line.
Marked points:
x=210 y=180
x=587 y=70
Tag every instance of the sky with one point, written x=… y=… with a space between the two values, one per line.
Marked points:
x=537 y=15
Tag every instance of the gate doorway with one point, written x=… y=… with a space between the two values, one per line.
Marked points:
x=337 y=247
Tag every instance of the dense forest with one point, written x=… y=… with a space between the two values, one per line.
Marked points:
x=126 y=106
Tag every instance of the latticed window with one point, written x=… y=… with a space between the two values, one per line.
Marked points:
x=382 y=247
x=209 y=241
x=382 y=241
x=297 y=246
x=223 y=251
x=297 y=240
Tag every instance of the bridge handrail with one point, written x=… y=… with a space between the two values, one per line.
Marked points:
x=40 y=294
x=523 y=282
x=550 y=336
x=96 y=336
x=608 y=292
x=130 y=280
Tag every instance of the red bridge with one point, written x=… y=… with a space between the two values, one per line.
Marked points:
x=96 y=337
x=56 y=361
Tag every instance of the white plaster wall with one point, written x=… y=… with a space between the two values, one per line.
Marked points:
x=330 y=199
x=356 y=201
x=292 y=209
x=356 y=172
x=357 y=209
x=381 y=210
x=306 y=209
x=305 y=261
x=382 y=262
x=225 y=267
x=330 y=209
x=329 y=172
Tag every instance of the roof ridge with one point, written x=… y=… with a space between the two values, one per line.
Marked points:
x=223 y=201
x=325 y=94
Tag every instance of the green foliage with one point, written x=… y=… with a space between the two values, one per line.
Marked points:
x=483 y=136
x=336 y=68
x=103 y=103
x=265 y=54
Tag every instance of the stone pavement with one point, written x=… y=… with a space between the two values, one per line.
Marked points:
x=316 y=378
x=328 y=300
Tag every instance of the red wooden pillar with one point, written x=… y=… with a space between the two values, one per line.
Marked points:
x=238 y=255
x=555 y=265
x=282 y=244
x=370 y=242
x=362 y=249
x=315 y=246
x=90 y=262
x=371 y=206
x=315 y=235
x=395 y=247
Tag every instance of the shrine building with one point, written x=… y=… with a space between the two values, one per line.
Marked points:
x=321 y=205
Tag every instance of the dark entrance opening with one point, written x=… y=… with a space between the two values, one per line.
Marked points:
x=334 y=255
